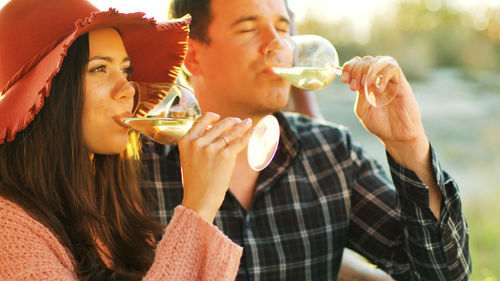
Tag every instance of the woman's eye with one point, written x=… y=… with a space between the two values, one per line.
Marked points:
x=100 y=68
x=127 y=70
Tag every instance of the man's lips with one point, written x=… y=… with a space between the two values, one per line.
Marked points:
x=269 y=71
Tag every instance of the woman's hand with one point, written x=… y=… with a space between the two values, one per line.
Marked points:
x=207 y=158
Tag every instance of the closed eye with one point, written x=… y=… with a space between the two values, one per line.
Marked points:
x=284 y=31
x=247 y=30
x=283 y=27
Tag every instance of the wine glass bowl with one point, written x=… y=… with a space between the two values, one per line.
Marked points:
x=311 y=62
x=167 y=112
x=382 y=81
x=170 y=119
x=263 y=143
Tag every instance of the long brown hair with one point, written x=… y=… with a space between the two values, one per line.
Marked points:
x=47 y=170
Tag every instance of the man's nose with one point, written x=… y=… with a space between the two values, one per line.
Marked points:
x=269 y=33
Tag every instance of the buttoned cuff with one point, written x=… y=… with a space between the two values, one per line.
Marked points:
x=411 y=189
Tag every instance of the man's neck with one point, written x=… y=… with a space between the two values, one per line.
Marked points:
x=243 y=181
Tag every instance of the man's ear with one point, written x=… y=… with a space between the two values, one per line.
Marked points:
x=191 y=60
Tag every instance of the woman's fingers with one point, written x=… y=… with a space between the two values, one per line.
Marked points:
x=228 y=139
x=207 y=161
x=219 y=129
x=239 y=137
x=199 y=127
x=214 y=136
x=237 y=130
x=207 y=128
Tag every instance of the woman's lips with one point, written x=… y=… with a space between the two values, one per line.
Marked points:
x=118 y=119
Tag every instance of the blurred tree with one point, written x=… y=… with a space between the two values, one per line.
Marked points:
x=423 y=35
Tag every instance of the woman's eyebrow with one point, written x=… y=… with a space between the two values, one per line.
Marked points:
x=109 y=59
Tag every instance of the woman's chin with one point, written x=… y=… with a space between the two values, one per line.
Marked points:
x=110 y=147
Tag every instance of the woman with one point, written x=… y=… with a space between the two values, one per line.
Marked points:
x=69 y=201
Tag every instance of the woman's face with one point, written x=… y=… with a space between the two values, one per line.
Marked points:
x=108 y=96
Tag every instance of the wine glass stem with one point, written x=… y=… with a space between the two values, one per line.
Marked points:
x=337 y=70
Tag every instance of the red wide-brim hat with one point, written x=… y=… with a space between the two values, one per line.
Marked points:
x=35 y=36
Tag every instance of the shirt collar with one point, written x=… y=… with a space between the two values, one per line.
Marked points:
x=287 y=152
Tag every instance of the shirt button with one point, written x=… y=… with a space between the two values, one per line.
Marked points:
x=247 y=224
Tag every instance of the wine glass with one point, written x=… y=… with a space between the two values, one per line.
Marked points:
x=170 y=119
x=311 y=62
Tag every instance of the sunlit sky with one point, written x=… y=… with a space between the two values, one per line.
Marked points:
x=323 y=9
x=361 y=12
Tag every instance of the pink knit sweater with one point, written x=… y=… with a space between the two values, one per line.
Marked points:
x=192 y=249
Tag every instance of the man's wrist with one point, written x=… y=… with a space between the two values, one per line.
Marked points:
x=413 y=155
x=417 y=158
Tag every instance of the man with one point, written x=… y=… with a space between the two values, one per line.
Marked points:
x=321 y=192
x=353 y=266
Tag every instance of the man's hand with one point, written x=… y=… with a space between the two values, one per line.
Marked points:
x=398 y=124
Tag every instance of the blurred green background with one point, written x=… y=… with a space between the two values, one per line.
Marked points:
x=451 y=57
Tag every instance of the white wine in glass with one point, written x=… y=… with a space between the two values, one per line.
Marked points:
x=161 y=129
x=308 y=78
x=172 y=118
x=308 y=62
x=311 y=62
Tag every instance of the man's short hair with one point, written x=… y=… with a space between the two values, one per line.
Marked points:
x=200 y=13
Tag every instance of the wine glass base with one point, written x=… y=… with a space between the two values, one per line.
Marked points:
x=263 y=143
x=380 y=90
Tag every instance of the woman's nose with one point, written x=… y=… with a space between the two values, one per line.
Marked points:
x=123 y=89
x=125 y=92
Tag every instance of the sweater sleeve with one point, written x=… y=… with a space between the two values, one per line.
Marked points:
x=28 y=250
x=194 y=249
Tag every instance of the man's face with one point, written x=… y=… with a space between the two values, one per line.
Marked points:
x=229 y=76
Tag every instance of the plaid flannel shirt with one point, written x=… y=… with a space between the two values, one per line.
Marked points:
x=322 y=193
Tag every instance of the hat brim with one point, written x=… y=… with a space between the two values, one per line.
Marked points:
x=156 y=50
